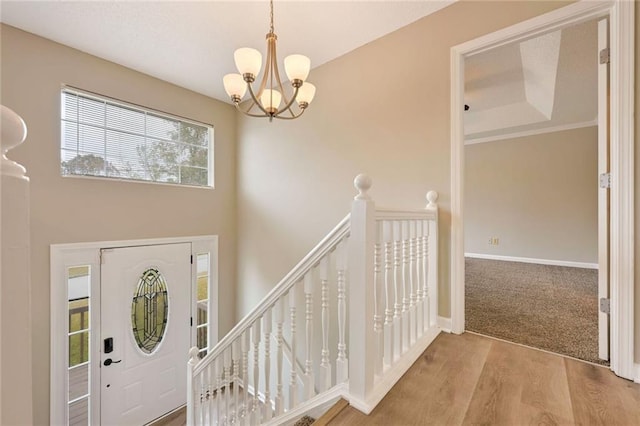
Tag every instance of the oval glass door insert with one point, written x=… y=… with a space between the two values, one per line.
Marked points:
x=150 y=310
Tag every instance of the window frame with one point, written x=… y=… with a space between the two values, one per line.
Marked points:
x=146 y=110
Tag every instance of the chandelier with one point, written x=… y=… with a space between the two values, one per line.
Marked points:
x=270 y=94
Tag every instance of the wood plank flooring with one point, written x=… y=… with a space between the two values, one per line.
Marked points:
x=472 y=379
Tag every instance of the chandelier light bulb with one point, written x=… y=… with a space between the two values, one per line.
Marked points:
x=248 y=61
x=270 y=100
x=234 y=85
x=305 y=94
x=297 y=67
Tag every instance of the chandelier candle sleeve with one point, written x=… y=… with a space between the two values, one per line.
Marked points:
x=248 y=61
x=270 y=93
x=270 y=100
x=235 y=86
x=297 y=67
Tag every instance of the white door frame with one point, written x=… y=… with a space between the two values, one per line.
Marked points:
x=621 y=31
x=63 y=256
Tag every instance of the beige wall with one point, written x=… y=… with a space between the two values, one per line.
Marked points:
x=382 y=109
x=74 y=210
x=537 y=194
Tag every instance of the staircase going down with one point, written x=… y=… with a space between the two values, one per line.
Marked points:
x=346 y=322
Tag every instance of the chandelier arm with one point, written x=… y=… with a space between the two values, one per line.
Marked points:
x=294 y=116
x=248 y=113
x=265 y=76
x=255 y=101
x=276 y=72
x=288 y=105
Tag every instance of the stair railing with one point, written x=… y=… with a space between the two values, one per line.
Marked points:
x=378 y=269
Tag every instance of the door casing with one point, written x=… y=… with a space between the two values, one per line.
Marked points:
x=621 y=31
x=63 y=256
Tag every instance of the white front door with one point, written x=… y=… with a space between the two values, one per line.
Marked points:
x=145 y=332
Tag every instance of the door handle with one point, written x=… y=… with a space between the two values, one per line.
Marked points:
x=109 y=361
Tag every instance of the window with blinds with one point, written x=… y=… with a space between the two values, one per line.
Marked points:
x=111 y=139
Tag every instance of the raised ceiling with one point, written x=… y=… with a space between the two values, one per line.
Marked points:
x=549 y=82
x=191 y=43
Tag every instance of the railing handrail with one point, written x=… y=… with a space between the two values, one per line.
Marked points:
x=397 y=214
x=294 y=276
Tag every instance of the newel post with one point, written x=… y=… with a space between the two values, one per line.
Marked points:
x=191 y=392
x=16 y=394
x=361 y=288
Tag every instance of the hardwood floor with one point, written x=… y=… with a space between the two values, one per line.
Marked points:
x=472 y=379
x=475 y=380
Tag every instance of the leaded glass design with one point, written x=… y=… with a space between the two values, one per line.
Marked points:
x=150 y=310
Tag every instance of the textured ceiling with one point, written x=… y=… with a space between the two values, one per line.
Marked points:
x=191 y=44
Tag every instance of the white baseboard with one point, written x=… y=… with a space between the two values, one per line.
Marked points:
x=568 y=263
x=445 y=324
x=392 y=375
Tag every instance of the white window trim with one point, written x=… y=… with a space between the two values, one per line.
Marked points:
x=63 y=256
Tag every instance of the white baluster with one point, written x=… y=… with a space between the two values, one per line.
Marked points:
x=419 y=279
x=219 y=402
x=293 y=383
x=425 y=272
x=266 y=330
x=309 y=382
x=199 y=399
x=325 y=363
x=397 y=281
x=342 y=363
x=211 y=379
x=389 y=292
x=378 y=298
x=245 y=377
x=279 y=317
x=413 y=284
x=256 y=418
x=227 y=384
x=236 y=354
x=405 y=285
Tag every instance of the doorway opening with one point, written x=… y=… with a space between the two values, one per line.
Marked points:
x=621 y=142
x=531 y=191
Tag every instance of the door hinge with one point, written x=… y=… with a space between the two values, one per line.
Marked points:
x=192 y=259
x=191 y=322
x=605 y=55
x=605 y=180
x=605 y=305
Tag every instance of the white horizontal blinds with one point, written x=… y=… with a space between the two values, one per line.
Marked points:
x=101 y=137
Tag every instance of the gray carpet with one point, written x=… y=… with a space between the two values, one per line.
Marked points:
x=548 y=307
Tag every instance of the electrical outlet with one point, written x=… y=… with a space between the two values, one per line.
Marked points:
x=494 y=241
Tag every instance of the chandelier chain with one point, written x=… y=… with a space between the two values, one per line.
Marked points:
x=271 y=15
